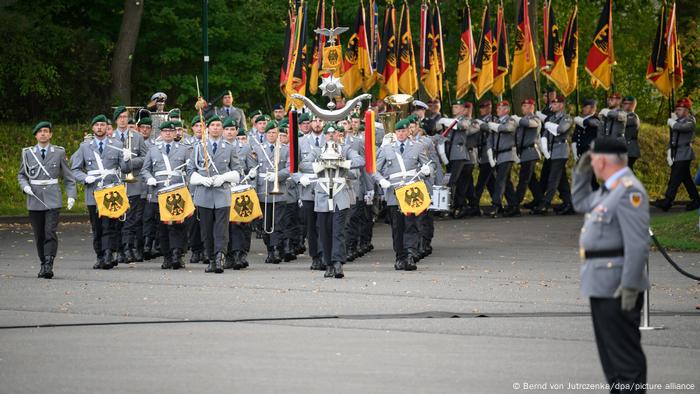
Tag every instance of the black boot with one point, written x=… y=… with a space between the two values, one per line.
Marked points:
x=121 y=257
x=566 y=209
x=243 y=256
x=211 y=266
x=108 y=261
x=48 y=267
x=195 y=257
x=219 y=263
x=299 y=247
x=42 y=270
x=98 y=262
x=177 y=259
x=316 y=264
x=270 y=259
x=167 y=261
x=428 y=247
x=128 y=254
x=229 y=261
x=147 y=248
x=237 y=263
x=330 y=271
x=138 y=254
x=410 y=263
x=288 y=251
x=338 y=268
x=351 y=252
x=400 y=264
x=277 y=255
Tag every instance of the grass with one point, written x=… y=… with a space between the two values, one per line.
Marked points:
x=677 y=231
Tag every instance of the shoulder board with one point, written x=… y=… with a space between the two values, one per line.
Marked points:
x=27 y=148
x=627 y=181
x=59 y=147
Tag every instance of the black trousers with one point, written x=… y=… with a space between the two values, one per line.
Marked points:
x=194 y=234
x=239 y=236
x=289 y=224
x=631 y=161
x=404 y=232
x=485 y=180
x=528 y=178
x=213 y=224
x=356 y=222
x=275 y=211
x=619 y=341
x=462 y=180
x=150 y=220
x=680 y=174
x=367 y=230
x=310 y=219
x=172 y=236
x=544 y=174
x=44 y=224
x=134 y=218
x=503 y=185
x=105 y=232
x=331 y=228
x=557 y=181
x=426 y=225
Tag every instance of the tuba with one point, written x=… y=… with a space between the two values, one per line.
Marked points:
x=398 y=103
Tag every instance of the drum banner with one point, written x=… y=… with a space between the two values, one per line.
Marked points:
x=413 y=198
x=175 y=206
x=112 y=201
x=245 y=206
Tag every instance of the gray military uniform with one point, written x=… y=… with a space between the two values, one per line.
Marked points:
x=632 y=135
x=527 y=136
x=139 y=148
x=682 y=136
x=558 y=145
x=329 y=180
x=223 y=161
x=613 y=124
x=42 y=176
x=166 y=169
x=264 y=156
x=232 y=112
x=389 y=166
x=87 y=160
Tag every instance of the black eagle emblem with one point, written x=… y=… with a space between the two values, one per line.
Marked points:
x=243 y=206
x=175 y=204
x=113 y=201
x=414 y=197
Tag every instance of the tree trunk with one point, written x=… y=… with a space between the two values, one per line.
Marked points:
x=527 y=88
x=124 y=51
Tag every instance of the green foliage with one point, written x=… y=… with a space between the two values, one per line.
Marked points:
x=677 y=231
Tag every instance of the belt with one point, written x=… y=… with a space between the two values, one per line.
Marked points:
x=504 y=150
x=168 y=173
x=43 y=182
x=402 y=174
x=601 y=254
x=680 y=146
x=102 y=172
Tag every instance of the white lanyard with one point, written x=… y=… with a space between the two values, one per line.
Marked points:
x=399 y=159
x=38 y=162
x=166 y=161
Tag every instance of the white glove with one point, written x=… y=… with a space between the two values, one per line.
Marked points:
x=344 y=164
x=579 y=121
x=28 y=189
x=425 y=170
x=217 y=180
x=573 y=149
x=669 y=160
x=384 y=184
x=515 y=155
x=253 y=173
x=516 y=118
x=674 y=116
x=230 y=177
x=494 y=126
x=196 y=180
x=71 y=203
x=126 y=155
x=305 y=181
x=604 y=112
x=492 y=161
x=90 y=179
x=300 y=203
x=671 y=122
x=442 y=153
x=152 y=182
x=479 y=121
x=317 y=167
x=552 y=128
x=541 y=115
x=270 y=177
x=544 y=147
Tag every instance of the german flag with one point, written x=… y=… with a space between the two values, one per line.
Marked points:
x=287 y=50
x=500 y=66
x=356 y=58
x=438 y=48
x=372 y=33
x=428 y=71
x=555 y=70
x=467 y=50
x=407 y=77
x=334 y=24
x=386 y=64
x=601 y=57
x=316 y=60
x=524 y=61
x=370 y=145
x=483 y=79
x=296 y=76
x=571 y=52
x=665 y=69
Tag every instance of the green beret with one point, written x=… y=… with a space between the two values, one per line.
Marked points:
x=174 y=114
x=412 y=118
x=168 y=124
x=255 y=113
x=196 y=119
x=214 y=118
x=241 y=132
x=40 y=126
x=402 y=124
x=98 y=118
x=144 y=121
x=630 y=98
x=459 y=102
x=283 y=123
x=305 y=117
x=177 y=123
x=283 y=130
x=272 y=125
x=330 y=127
x=355 y=115
x=118 y=111
x=261 y=118
x=228 y=122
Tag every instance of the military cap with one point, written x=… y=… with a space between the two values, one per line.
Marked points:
x=355 y=115
x=228 y=122
x=420 y=104
x=118 y=111
x=196 y=119
x=589 y=102
x=283 y=123
x=241 y=132
x=174 y=114
x=262 y=118
x=177 y=123
x=214 y=118
x=305 y=117
x=412 y=118
x=528 y=101
x=551 y=89
x=277 y=106
x=330 y=127
x=167 y=125
x=144 y=121
x=684 y=103
x=559 y=99
x=282 y=130
x=629 y=99
x=255 y=113
x=503 y=103
x=40 y=126
x=271 y=125
x=131 y=121
x=402 y=124
x=485 y=103
x=98 y=118
x=159 y=96
x=459 y=102
x=607 y=145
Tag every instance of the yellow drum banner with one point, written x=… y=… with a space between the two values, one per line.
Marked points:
x=245 y=206
x=413 y=198
x=112 y=201
x=175 y=205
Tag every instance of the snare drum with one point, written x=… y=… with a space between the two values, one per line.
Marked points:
x=441 y=199
x=175 y=203
x=111 y=200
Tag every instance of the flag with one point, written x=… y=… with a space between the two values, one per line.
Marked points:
x=315 y=63
x=357 y=68
x=500 y=66
x=571 y=52
x=287 y=49
x=335 y=23
x=428 y=73
x=674 y=59
x=483 y=79
x=601 y=57
x=293 y=141
x=555 y=69
x=373 y=43
x=370 y=146
x=407 y=77
x=386 y=64
x=467 y=49
x=524 y=61
x=438 y=48
x=296 y=76
x=665 y=70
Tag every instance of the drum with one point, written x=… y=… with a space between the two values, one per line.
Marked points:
x=413 y=198
x=440 y=199
x=245 y=206
x=111 y=200
x=175 y=203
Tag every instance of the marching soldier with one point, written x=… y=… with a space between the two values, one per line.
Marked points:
x=237 y=237
x=357 y=189
x=164 y=165
x=527 y=136
x=149 y=226
x=613 y=119
x=586 y=131
x=40 y=168
x=229 y=111
x=629 y=104
x=426 y=224
x=194 y=235
x=557 y=129
x=212 y=169
x=240 y=243
x=332 y=196
x=397 y=163
x=97 y=162
x=614 y=247
x=278 y=112
x=461 y=159
x=485 y=178
x=501 y=157
x=291 y=209
x=679 y=155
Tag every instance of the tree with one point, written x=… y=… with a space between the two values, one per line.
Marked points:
x=124 y=50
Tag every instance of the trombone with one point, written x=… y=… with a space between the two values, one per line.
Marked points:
x=275 y=189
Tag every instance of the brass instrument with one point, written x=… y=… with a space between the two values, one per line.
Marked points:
x=132 y=111
x=398 y=103
x=275 y=188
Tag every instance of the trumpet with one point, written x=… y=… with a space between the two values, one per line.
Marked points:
x=130 y=178
x=275 y=189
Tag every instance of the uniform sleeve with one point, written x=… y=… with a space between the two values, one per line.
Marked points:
x=684 y=127
x=565 y=124
x=582 y=191
x=234 y=163
x=68 y=177
x=146 y=167
x=283 y=167
x=22 y=177
x=76 y=165
x=136 y=162
x=356 y=161
x=381 y=161
x=592 y=121
x=191 y=163
x=508 y=127
x=633 y=216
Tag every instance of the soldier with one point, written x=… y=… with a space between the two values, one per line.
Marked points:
x=332 y=196
x=501 y=155
x=462 y=160
x=235 y=255
x=40 y=168
x=164 y=165
x=527 y=137
x=629 y=104
x=357 y=177
x=97 y=162
x=304 y=124
x=278 y=112
x=397 y=163
x=134 y=152
x=426 y=225
x=557 y=129
x=213 y=172
x=258 y=132
x=614 y=247
x=144 y=126
x=194 y=235
x=158 y=100
x=613 y=119
x=229 y=111
x=241 y=244
x=679 y=155
x=291 y=209
x=271 y=204
x=586 y=131
x=485 y=179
